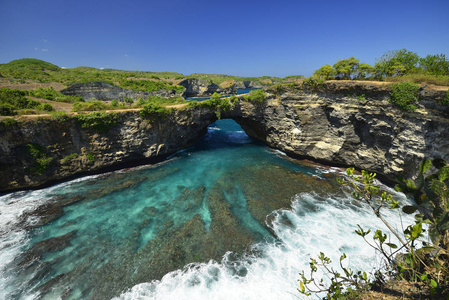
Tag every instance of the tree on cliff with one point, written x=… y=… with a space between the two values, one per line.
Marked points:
x=345 y=68
x=325 y=72
x=435 y=64
x=396 y=63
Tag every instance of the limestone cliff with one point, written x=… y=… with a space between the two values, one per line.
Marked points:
x=333 y=126
x=350 y=124
x=69 y=149
x=106 y=92
x=200 y=87
x=247 y=84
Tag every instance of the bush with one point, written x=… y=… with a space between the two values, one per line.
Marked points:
x=89 y=106
x=70 y=157
x=41 y=160
x=9 y=121
x=404 y=94
x=312 y=83
x=59 y=115
x=45 y=107
x=114 y=103
x=7 y=109
x=154 y=111
x=256 y=96
x=90 y=157
x=98 y=121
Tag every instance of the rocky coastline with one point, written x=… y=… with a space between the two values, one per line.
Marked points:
x=333 y=125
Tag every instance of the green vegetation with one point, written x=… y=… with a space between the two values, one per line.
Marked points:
x=160 y=100
x=53 y=95
x=11 y=101
x=326 y=72
x=41 y=160
x=149 y=85
x=153 y=110
x=256 y=96
x=423 y=261
x=445 y=101
x=91 y=158
x=397 y=65
x=9 y=121
x=101 y=122
x=312 y=84
x=91 y=106
x=70 y=157
x=217 y=103
x=404 y=94
x=59 y=115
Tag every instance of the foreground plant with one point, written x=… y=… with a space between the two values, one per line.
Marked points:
x=421 y=261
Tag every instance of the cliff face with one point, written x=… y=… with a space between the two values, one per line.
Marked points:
x=333 y=126
x=106 y=92
x=199 y=88
x=28 y=146
x=330 y=124
x=247 y=84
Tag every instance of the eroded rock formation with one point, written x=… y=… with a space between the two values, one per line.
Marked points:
x=350 y=124
x=199 y=88
x=107 y=92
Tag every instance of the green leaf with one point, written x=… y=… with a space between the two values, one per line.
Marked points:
x=409 y=209
x=410 y=184
x=393 y=246
x=443 y=222
x=433 y=283
x=415 y=231
x=443 y=174
x=394 y=204
x=420 y=181
x=425 y=165
x=423 y=277
x=399 y=188
x=350 y=171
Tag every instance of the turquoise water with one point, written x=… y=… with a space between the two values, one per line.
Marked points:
x=165 y=231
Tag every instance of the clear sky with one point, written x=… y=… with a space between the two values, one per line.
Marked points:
x=246 y=38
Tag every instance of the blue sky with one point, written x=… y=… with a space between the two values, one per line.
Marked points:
x=246 y=38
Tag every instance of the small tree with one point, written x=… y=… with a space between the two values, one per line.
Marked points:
x=435 y=64
x=345 y=68
x=325 y=72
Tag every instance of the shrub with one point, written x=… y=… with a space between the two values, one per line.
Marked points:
x=256 y=96
x=41 y=160
x=404 y=94
x=98 y=121
x=9 y=121
x=89 y=106
x=90 y=157
x=154 y=111
x=114 y=103
x=312 y=83
x=45 y=107
x=7 y=109
x=70 y=157
x=59 y=115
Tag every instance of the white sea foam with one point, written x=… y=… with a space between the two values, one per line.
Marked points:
x=313 y=225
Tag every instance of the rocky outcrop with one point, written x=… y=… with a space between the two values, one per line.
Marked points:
x=349 y=124
x=64 y=148
x=247 y=84
x=200 y=88
x=106 y=92
x=333 y=126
